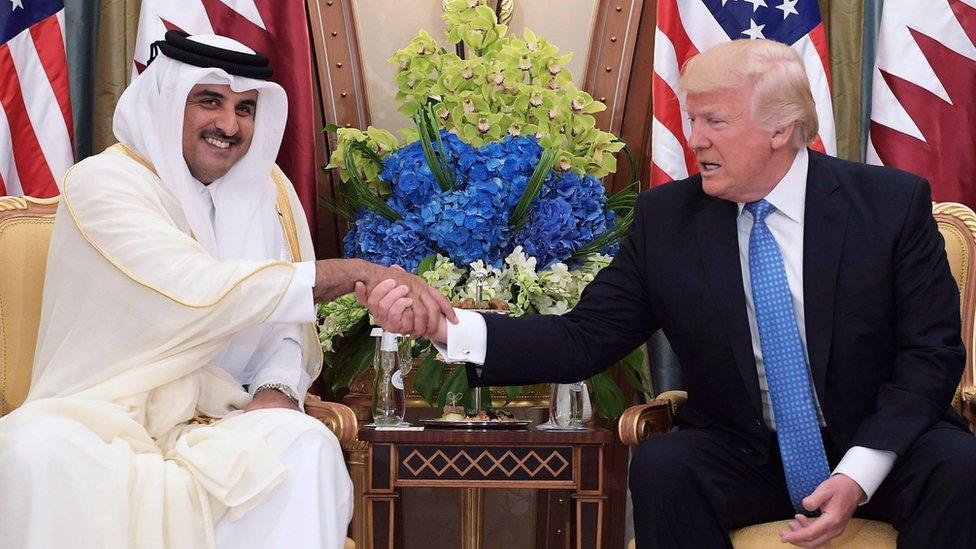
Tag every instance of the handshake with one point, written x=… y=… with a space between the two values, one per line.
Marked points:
x=400 y=302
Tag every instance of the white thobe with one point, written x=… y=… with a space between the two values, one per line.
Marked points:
x=317 y=477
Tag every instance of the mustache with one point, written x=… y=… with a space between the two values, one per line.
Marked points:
x=217 y=134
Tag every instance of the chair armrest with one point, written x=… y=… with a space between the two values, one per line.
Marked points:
x=339 y=418
x=654 y=418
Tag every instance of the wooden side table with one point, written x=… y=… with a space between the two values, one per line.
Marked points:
x=473 y=460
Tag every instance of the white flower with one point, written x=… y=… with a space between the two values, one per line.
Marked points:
x=559 y=275
x=519 y=261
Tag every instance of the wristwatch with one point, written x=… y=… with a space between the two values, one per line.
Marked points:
x=281 y=388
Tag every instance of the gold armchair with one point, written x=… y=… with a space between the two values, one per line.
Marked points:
x=957 y=224
x=25 y=233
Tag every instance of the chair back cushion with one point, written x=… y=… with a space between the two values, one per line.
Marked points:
x=25 y=232
x=957 y=224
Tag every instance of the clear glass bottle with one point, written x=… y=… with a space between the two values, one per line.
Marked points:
x=569 y=406
x=389 y=402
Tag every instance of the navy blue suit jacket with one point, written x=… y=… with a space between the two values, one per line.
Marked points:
x=882 y=309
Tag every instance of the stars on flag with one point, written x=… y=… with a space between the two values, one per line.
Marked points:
x=16 y=4
x=754 y=31
x=788 y=7
x=756 y=4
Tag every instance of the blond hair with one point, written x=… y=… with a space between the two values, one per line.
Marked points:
x=780 y=90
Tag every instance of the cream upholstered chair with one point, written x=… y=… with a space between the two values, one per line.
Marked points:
x=957 y=224
x=25 y=232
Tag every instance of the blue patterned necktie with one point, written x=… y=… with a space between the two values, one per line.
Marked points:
x=787 y=374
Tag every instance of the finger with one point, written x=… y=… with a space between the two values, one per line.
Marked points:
x=407 y=321
x=378 y=292
x=395 y=315
x=397 y=267
x=444 y=306
x=433 y=328
x=819 y=496
x=433 y=312
x=361 y=295
x=814 y=529
x=831 y=533
x=382 y=310
x=420 y=314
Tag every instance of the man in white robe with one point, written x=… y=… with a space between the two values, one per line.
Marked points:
x=181 y=271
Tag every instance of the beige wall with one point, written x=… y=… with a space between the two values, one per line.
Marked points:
x=384 y=26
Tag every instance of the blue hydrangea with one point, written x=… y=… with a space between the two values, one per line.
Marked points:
x=568 y=214
x=470 y=222
x=377 y=239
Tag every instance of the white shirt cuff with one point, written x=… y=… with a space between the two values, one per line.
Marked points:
x=297 y=305
x=467 y=341
x=867 y=467
x=285 y=367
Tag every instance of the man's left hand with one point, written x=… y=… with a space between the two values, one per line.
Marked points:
x=270 y=398
x=837 y=498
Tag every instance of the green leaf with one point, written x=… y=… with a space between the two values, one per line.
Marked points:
x=426 y=264
x=632 y=367
x=352 y=359
x=521 y=212
x=369 y=153
x=429 y=377
x=456 y=382
x=427 y=130
x=608 y=397
x=512 y=392
x=357 y=195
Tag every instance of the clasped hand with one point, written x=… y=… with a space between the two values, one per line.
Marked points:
x=406 y=304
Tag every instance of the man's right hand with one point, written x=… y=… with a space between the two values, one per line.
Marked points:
x=427 y=306
x=390 y=305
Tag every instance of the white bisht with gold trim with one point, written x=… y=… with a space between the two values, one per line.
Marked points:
x=117 y=444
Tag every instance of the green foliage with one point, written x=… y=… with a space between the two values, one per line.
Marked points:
x=508 y=86
x=358 y=159
x=521 y=213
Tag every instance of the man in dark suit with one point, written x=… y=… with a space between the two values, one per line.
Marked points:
x=811 y=306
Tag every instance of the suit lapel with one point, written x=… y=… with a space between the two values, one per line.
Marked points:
x=825 y=224
x=719 y=246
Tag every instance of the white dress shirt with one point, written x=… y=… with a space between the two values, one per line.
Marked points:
x=868 y=467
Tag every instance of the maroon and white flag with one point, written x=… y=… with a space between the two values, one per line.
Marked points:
x=923 y=105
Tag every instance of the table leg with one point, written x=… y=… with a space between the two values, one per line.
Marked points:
x=382 y=499
x=472 y=517
x=591 y=498
x=589 y=522
x=382 y=514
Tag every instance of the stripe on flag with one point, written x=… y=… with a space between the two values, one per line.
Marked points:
x=35 y=120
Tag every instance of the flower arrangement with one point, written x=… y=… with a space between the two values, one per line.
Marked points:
x=499 y=182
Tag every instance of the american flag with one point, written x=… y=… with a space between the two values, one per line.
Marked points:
x=35 y=120
x=687 y=27
x=923 y=114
